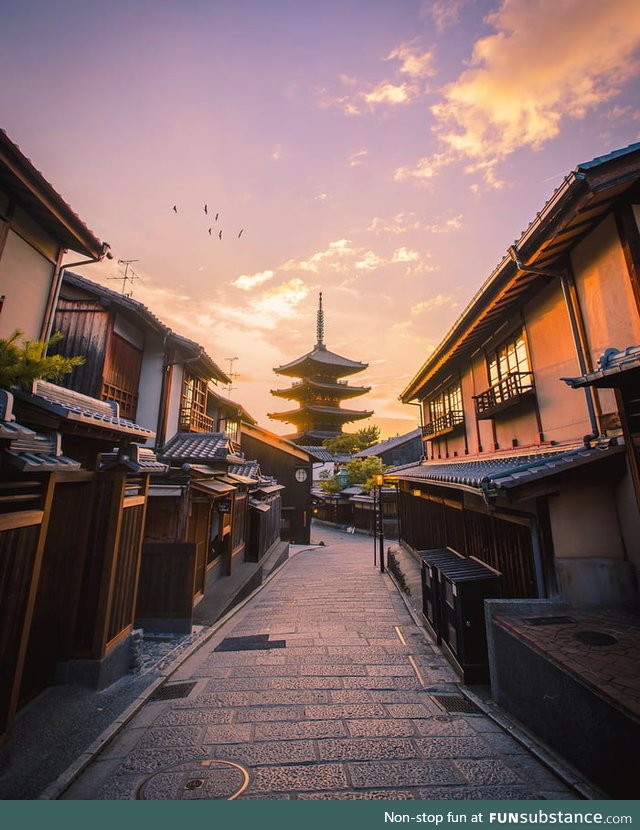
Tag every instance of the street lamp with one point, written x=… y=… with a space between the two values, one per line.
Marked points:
x=379 y=483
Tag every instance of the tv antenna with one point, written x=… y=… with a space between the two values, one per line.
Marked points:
x=128 y=275
x=233 y=375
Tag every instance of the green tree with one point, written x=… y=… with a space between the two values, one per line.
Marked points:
x=361 y=471
x=22 y=363
x=352 y=442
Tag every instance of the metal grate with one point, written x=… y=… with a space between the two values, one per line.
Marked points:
x=561 y=620
x=456 y=703
x=172 y=691
x=252 y=642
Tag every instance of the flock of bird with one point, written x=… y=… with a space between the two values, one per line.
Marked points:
x=206 y=210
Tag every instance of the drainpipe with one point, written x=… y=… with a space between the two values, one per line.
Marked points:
x=165 y=390
x=575 y=331
x=47 y=325
x=420 y=410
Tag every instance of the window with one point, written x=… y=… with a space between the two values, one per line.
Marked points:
x=445 y=411
x=193 y=406
x=510 y=378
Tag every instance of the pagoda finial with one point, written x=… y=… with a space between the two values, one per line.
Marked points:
x=320 y=323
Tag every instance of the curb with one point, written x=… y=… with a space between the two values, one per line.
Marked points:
x=74 y=770
x=566 y=773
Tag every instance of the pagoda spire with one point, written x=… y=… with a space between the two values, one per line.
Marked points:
x=320 y=323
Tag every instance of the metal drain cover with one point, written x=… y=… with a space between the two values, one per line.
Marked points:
x=456 y=703
x=172 y=691
x=594 y=638
x=207 y=779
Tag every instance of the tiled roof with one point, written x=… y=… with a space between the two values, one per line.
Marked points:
x=390 y=444
x=318 y=453
x=196 y=446
x=249 y=469
x=497 y=473
x=611 y=364
x=72 y=406
x=135 y=307
x=133 y=458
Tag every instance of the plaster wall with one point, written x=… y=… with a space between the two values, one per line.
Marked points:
x=25 y=280
x=150 y=385
x=173 y=418
x=563 y=411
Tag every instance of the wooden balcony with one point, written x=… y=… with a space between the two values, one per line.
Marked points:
x=509 y=391
x=450 y=422
x=192 y=420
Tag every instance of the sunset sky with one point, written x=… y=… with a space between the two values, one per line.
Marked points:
x=384 y=152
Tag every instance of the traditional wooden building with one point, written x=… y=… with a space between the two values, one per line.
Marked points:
x=530 y=407
x=292 y=468
x=319 y=392
x=400 y=449
x=70 y=533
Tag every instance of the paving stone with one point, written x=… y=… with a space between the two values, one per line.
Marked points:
x=381 y=728
x=171 y=736
x=408 y=710
x=503 y=744
x=228 y=733
x=436 y=747
x=345 y=710
x=150 y=760
x=402 y=774
x=397 y=670
x=265 y=671
x=305 y=729
x=444 y=726
x=306 y=683
x=288 y=779
x=194 y=717
x=237 y=684
x=532 y=771
x=495 y=793
x=275 y=697
x=332 y=670
x=369 y=795
x=366 y=749
x=487 y=772
x=381 y=682
x=120 y=788
x=260 y=753
x=268 y=713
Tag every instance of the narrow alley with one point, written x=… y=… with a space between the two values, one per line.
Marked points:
x=321 y=686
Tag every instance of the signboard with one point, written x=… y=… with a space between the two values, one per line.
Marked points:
x=223 y=505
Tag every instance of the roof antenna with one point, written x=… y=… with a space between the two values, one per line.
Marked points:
x=129 y=275
x=320 y=323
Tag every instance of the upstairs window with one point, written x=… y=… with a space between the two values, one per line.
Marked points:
x=445 y=411
x=510 y=358
x=193 y=406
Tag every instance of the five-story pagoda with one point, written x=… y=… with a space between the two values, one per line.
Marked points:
x=319 y=392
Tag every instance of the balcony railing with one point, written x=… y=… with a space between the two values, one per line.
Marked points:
x=191 y=420
x=449 y=422
x=508 y=391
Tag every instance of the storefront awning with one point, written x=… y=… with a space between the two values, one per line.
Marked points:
x=215 y=488
x=613 y=367
x=259 y=505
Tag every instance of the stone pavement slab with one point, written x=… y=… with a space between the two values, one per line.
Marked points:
x=339 y=712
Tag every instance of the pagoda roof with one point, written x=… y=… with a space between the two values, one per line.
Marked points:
x=320 y=360
x=316 y=412
x=339 y=390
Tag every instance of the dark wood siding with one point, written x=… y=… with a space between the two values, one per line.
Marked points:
x=86 y=326
x=431 y=521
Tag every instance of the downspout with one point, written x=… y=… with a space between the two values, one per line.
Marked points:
x=575 y=331
x=420 y=409
x=165 y=390
x=59 y=270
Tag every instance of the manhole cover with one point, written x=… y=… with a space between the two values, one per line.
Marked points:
x=172 y=691
x=456 y=703
x=594 y=638
x=559 y=620
x=207 y=779
x=252 y=642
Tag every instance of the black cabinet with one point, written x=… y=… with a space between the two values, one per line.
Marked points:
x=454 y=589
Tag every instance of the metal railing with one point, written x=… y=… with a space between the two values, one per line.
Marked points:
x=443 y=423
x=507 y=390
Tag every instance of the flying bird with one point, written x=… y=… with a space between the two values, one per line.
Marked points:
x=209 y=231
x=175 y=209
x=240 y=234
x=205 y=209
x=217 y=214
x=220 y=235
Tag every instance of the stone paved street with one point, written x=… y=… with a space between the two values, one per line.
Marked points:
x=322 y=703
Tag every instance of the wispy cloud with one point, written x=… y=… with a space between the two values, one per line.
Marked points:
x=414 y=63
x=529 y=77
x=249 y=281
x=439 y=301
x=444 y=13
x=357 y=158
x=453 y=223
x=398 y=224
